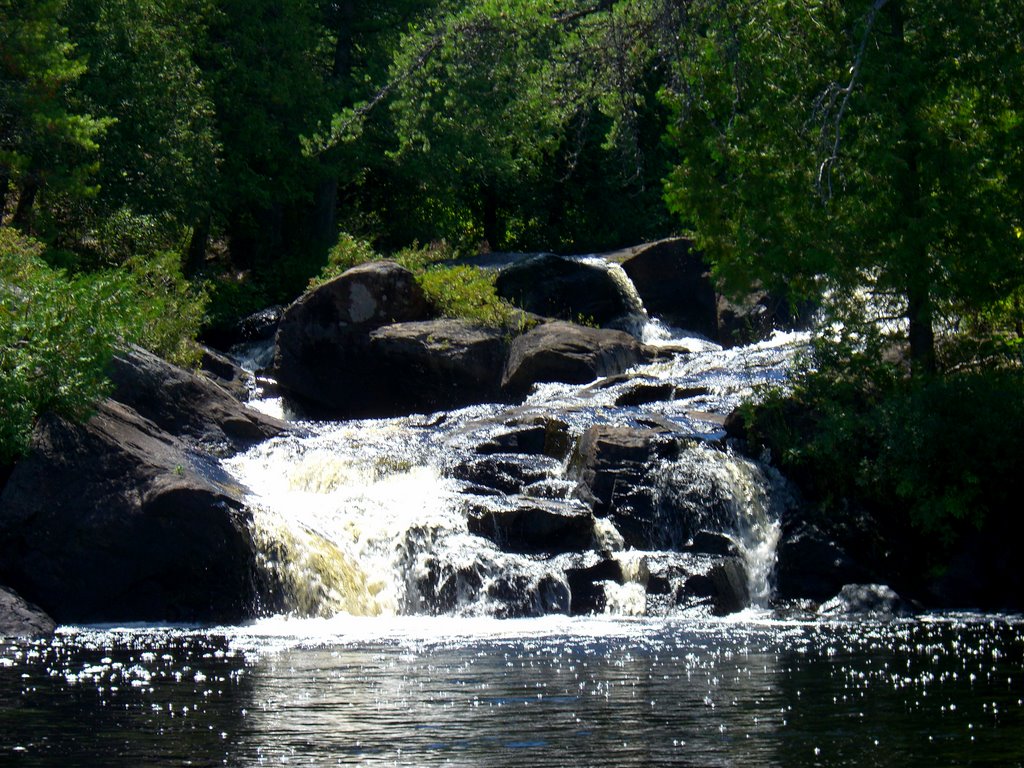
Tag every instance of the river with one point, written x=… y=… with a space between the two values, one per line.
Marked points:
x=411 y=638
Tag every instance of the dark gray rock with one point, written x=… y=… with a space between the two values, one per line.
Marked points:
x=531 y=525
x=732 y=592
x=259 y=326
x=586 y=586
x=867 y=601
x=712 y=543
x=507 y=473
x=323 y=339
x=226 y=374
x=431 y=365
x=565 y=288
x=612 y=466
x=19 y=618
x=564 y=352
x=674 y=283
x=809 y=565
x=116 y=520
x=518 y=595
x=186 y=405
x=540 y=436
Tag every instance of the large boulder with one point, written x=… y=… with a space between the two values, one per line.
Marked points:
x=19 y=618
x=564 y=352
x=116 y=520
x=192 y=407
x=432 y=365
x=674 y=282
x=878 y=601
x=565 y=288
x=811 y=565
x=323 y=339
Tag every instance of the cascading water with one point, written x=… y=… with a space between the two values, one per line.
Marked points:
x=392 y=517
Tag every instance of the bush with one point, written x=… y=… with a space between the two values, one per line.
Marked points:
x=56 y=338
x=456 y=291
x=939 y=457
x=58 y=331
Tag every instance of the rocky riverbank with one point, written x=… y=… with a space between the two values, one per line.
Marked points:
x=130 y=517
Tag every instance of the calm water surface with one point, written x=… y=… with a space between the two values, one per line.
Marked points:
x=539 y=692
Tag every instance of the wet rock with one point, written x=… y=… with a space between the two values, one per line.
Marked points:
x=323 y=338
x=675 y=284
x=565 y=288
x=700 y=585
x=809 y=565
x=529 y=525
x=117 y=520
x=586 y=586
x=431 y=365
x=259 y=326
x=732 y=592
x=186 y=405
x=644 y=394
x=442 y=586
x=613 y=467
x=564 y=352
x=19 y=618
x=867 y=601
x=518 y=595
x=507 y=473
x=711 y=543
x=226 y=374
x=543 y=436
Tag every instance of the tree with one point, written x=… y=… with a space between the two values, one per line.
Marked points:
x=47 y=142
x=847 y=145
x=158 y=156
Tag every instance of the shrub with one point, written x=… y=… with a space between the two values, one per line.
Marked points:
x=454 y=290
x=56 y=338
x=58 y=331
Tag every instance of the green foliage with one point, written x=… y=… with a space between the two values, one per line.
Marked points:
x=58 y=331
x=466 y=292
x=48 y=142
x=940 y=457
x=832 y=145
x=56 y=337
x=454 y=290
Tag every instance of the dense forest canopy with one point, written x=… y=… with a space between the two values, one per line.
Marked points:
x=167 y=165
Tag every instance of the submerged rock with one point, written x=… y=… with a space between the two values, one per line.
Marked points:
x=867 y=601
x=116 y=520
x=19 y=618
x=567 y=353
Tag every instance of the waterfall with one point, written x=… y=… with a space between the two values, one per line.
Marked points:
x=375 y=517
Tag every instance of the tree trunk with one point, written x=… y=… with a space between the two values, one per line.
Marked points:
x=324 y=217
x=196 y=257
x=490 y=202
x=5 y=188
x=26 y=200
x=917 y=277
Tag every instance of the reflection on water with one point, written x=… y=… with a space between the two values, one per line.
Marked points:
x=545 y=692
